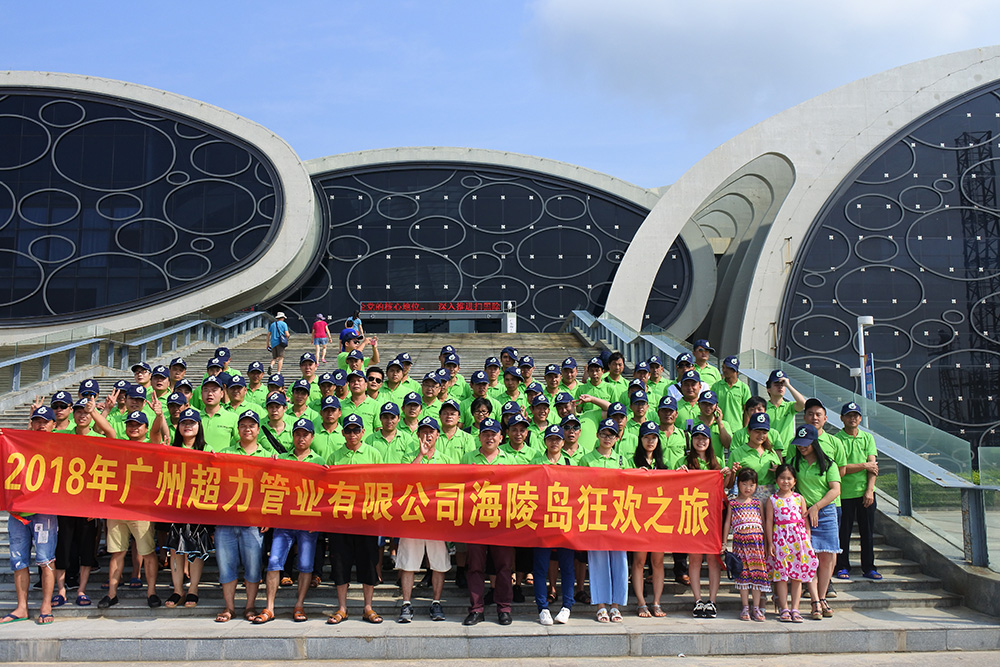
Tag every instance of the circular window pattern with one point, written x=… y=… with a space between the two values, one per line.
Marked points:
x=25 y=141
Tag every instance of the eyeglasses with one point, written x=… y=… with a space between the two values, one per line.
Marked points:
x=567 y=427
x=374 y=380
x=352 y=430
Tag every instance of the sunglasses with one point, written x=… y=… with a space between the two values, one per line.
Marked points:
x=375 y=380
x=353 y=429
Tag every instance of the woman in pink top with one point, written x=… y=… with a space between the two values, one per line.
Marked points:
x=320 y=336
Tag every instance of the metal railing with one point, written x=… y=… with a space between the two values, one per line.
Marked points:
x=119 y=354
x=940 y=460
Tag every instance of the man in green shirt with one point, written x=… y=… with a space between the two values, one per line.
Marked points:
x=159 y=381
x=359 y=402
x=526 y=364
x=277 y=426
x=516 y=447
x=617 y=384
x=568 y=372
x=857 y=492
x=411 y=551
x=709 y=373
x=596 y=385
x=430 y=387
x=453 y=441
x=782 y=413
x=391 y=443
x=552 y=379
x=217 y=423
x=733 y=392
x=327 y=435
x=459 y=387
x=711 y=416
x=256 y=389
x=539 y=418
x=688 y=411
x=239 y=398
x=656 y=385
x=300 y=401
x=671 y=437
x=492 y=369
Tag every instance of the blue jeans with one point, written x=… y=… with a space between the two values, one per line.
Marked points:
x=41 y=530
x=281 y=544
x=608 y=577
x=540 y=574
x=235 y=545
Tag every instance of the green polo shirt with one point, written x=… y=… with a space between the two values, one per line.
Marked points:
x=605 y=391
x=709 y=375
x=686 y=412
x=458 y=445
x=247 y=405
x=91 y=433
x=657 y=389
x=220 y=430
x=440 y=457
x=782 y=420
x=368 y=410
x=519 y=457
x=432 y=409
x=475 y=457
x=460 y=390
x=811 y=483
x=342 y=361
x=258 y=395
x=594 y=459
x=732 y=399
x=742 y=436
x=365 y=454
x=260 y=451
x=716 y=439
x=673 y=445
x=855 y=449
x=311 y=457
x=285 y=437
x=310 y=414
x=542 y=458
x=575 y=457
x=324 y=442
x=761 y=462
x=616 y=388
x=395 y=451
x=386 y=395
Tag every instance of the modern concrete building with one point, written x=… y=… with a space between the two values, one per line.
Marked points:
x=122 y=205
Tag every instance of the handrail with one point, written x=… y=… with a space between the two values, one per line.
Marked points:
x=640 y=346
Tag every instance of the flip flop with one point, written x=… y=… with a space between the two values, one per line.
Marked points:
x=135 y=582
x=11 y=618
x=82 y=600
x=45 y=619
x=58 y=600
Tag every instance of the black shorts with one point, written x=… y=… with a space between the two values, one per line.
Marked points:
x=358 y=551
x=76 y=542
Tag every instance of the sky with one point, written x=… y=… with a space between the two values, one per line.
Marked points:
x=638 y=89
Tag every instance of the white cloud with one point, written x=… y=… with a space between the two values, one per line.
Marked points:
x=734 y=63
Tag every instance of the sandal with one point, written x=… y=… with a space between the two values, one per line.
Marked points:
x=758 y=614
x=224 y=616
x=827 y=612
x=338 y=617
x=745 y=613
x=190 y=600
x=45 y=619
x=172 y=601
x=817 y=612
x=658 y=611
x=11 y=618
x=842 y=574
x=316 y=581
x=371 y=616
x=643 y=611
x=796 y=616
x=616 y=615
x=135 y=582
x=299 y=615
x=250 y=614
x=873 y=575
x=264 y=617
x=785 y=616
x=602 y=615
x=82 y=600
x=58 y=600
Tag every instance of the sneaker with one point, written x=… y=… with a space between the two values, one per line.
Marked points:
x=437 y=612
x=545 y=617
x=699 y=609
x=710 y=610
x=563 y=616
x=518 y=595
x=830 y=593
x=406 y=613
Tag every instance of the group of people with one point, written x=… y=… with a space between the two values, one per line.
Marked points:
x=796 y=491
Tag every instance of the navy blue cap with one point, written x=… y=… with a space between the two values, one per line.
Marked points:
x=276 y=397
x=541 y=399
x=701 y=342
x=690 y=374
x=535 y=387
x=301 y=384
x=249 y=414
x=447 y=349
x=214 y=379
x=648 y=427
x=489 y=425
x=453 y=359
x=136 y=391
x=348 y=334
x=526 y=361
x=849 y=408
x=303 y=424
x=667 y=403
x=510 y=407
x=339 y=377
x=177 y=398
x=759 y=421
x=608 y=425
x=638 y=397
x=405 y=357
x=356 y=374
x=516 y=372
x=353 y=419
x=636 y=383
x=389 y=408
x=255 y=366
x=732 y=362
x=222 y=353
x=569 y=363
x=189 y=415
x=122 y=385
x=353 y=354
x=412 y=398
x=61 y=397
x=708 y=397
x=568 y=419
x=276 y=380
x=433 y=377
x=162 y=371
x=329 y=402
x=554 y=431
x=684 y=358
x=89 y=387
x=617 y=409
x=517 y=419
x=654 y=360
x=563 y=397
x=641 y=366
x=183 y=382
x=595 y=361
x=394 y=362
x=224 y=378
x=214 y=362
x=805 y=435
x=552 y=369
x=701 y=428
x=325 y=378
x=479 y=377
x=444 y=375
x=237 y=381
x=511 y=352
x=491 y=361
x=141 y=365
x=428 y=422
x=776 y=376
x=178 y=361
x=450 y=403
x=138 y=417
x=44 y=412
x=82 y=403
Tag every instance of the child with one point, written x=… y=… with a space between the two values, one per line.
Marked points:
x=790 y=554
x=701 y=456
x=743 y=516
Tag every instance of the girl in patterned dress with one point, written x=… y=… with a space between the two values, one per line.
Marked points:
x=743 y=516
x=790 y=553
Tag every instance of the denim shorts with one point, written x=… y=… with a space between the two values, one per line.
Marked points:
x=826 y=536
x=236 y=545
x=281 y=544
x=319 y=341
x=41 y=530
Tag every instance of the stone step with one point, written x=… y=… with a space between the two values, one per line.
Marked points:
x=192 y=638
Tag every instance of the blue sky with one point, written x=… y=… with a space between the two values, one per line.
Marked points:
x=639 y=89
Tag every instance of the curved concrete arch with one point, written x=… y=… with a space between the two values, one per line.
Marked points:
x=293 y=248
x=822 y=140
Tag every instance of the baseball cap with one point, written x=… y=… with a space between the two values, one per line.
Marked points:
x=405 y=357
x=514 y=371
x=255 y=366
x=552 y=369
x=667 y=403
x=511 y=352
x=776 y=376
x=325 y=378
x=394 y=362
x=329 y=402
x=309 y=356
x=122 y=385
x=479 y=377
x=237 y=381
x=348 y=334
x=356 y=374
x=569 y=363
x=223 y=353
x=450 y=403
x=82 y=403
x=517 y=419
x=177 y=398
x=491 y=361
x=339 y=377
x=641 y=366
x=276 y=380
x=428 y=422
x=510 y=408
x=526 y=361
x=569 y=419
x=563 y=397
x=89 y=387
x=214 y=379
x=138 y=417
x=617 y=409
x=136 y=391
x=276 y=397
x=639 y=397
x=608 y=425
x=489 y=425
x=690 y=375
x=648 y=427
x=708 y=397
x=189 y=415
x=389 y=408
x=452 y=359
x=447 y=349
x=249 y=414
x=301 y=384
x=732 y=362
x=701 y=342
x=178 y=361
x=554 y=431
x=412 y=398
x=353 y=354
x=595 y=361
x=162 y=371
x=353 y=419
x=535 y=387
x=304 y=424
x=61 y=397
x=701 y=429
x=214 y=362
x=142 y=365
x=184 y=382
x=684 y=358
x=541 y=399
x=433 y=377
x=759 y=421
x=849 y=408
x=44 y=412
x=814 y=403
x=805 y=435
x=654 y=361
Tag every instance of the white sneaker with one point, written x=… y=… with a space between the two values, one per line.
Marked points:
x=563 y=616
x=544 y=617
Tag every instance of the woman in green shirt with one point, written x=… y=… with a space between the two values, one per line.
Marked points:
x=759 y=454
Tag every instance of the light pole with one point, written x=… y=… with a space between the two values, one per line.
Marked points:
x=865 y=321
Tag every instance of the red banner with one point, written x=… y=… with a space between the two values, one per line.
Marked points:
x=556 y=506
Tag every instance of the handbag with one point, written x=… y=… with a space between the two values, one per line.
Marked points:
x=734 y=567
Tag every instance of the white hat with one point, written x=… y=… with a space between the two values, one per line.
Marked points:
x=279 y=316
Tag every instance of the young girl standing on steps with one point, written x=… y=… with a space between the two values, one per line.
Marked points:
x=790 y=554
x=744 y=517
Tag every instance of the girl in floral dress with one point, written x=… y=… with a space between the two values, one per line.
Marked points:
x=744 y=517
x=790 y=554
